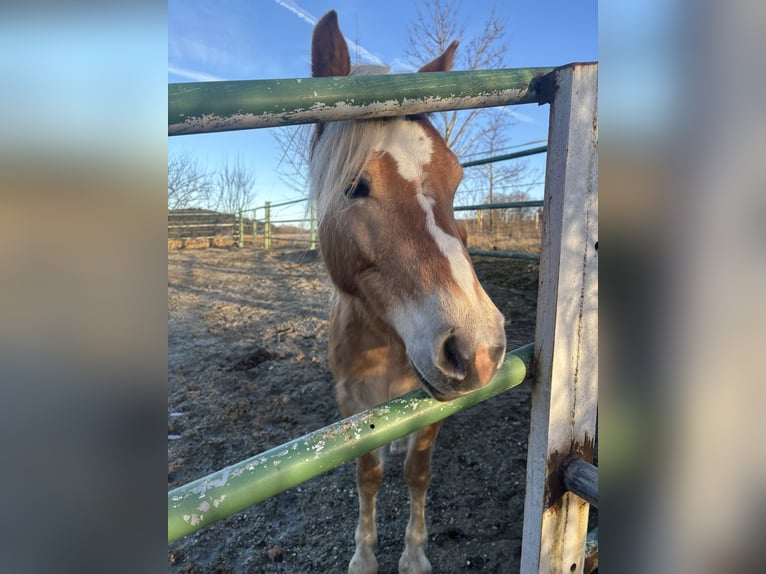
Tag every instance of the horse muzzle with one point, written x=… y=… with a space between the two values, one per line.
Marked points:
x=456 y=365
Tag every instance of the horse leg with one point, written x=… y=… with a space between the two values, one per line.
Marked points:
x=417 y=473
x=369 y=475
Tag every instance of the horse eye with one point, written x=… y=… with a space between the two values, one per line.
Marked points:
x=357 y=190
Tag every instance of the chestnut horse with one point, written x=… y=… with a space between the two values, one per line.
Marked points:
x=408 y=309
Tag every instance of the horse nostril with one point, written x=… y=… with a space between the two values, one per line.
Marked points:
x=451 y=361
x=497 y=353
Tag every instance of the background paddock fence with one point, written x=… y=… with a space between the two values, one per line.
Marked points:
x=561 y=478
x=261 y=228
x=196 y=228
x=515 y=233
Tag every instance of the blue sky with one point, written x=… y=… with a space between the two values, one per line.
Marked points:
x=239 y=39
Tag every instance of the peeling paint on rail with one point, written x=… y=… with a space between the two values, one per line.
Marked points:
x=340 y=111
x=205 y=107
x=243 y=484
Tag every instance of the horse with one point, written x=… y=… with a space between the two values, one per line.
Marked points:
x=407 y=308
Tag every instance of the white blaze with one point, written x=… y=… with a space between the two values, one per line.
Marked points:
x=410 y=147
x=450 y=246
x=408 y=143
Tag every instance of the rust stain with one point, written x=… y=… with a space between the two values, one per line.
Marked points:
x=544 y=86
x=555 y=465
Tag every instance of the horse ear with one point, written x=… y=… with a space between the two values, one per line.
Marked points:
x=329 y=52
x=444 y=62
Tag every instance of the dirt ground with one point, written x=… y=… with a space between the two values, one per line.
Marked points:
x=248 y=370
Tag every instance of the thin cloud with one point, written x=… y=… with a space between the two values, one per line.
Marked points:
x=298 y=11
x=519 y=115
x=193 y=74
x=306 y=16
x=400 y=65
x=355 y=48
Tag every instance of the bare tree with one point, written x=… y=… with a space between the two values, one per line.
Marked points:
x=293 y=167
x=235 y=187
x=479 y=132
x=489 y=182
x=189 y=184
x=434 y=29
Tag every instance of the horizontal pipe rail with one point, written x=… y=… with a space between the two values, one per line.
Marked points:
x=291 y=202
x=581 y=478
x=181 y=225
x=505 y=254
x=236 y=487
x=203 y=107
x=506 y=205
x=507 y=156
x=199 y=237
x=474 y=252
x=197 y=214
x=275 y=221
x=291 y=239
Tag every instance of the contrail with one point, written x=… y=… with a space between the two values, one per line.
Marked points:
x=298 y=11
x=311 y=19
x=519 y=115
x=401 y=65
x=193 y=75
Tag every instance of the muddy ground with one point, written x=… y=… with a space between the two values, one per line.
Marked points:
x=248 y=370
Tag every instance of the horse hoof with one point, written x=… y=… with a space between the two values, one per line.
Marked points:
x=414 y=563
x=363 y=563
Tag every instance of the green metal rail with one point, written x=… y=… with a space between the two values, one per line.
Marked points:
x=203 y=107
x=505 y=254
x=236 y=487
x=514 y=155
x=506 y=205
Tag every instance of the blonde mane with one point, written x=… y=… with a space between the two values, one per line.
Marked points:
x=340 y=154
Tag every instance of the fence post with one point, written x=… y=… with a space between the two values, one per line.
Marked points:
x=565 y=388
x=267 y=225
x=255 y=225
x=241 y=241
x=313 y=225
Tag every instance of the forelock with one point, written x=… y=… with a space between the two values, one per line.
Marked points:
x=337 y=159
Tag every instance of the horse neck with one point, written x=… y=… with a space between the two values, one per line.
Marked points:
x=356 y=316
